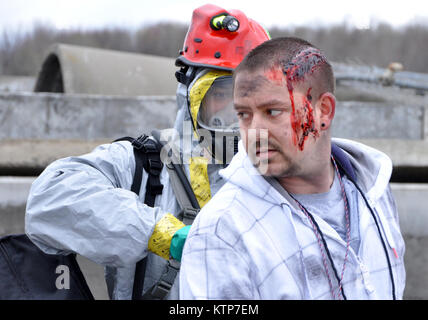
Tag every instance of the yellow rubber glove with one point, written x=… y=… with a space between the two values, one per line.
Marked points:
x=160 y=241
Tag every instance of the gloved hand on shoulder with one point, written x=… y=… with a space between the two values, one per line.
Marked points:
x=168 y=237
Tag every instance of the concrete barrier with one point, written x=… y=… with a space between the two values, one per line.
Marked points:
x=47 y=116
x=86 y=70
x=412 y=205
x=16 y=83
x=37 y=128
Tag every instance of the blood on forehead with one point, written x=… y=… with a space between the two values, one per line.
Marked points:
x=275 y=75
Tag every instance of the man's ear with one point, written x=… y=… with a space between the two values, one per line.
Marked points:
x=327 y=106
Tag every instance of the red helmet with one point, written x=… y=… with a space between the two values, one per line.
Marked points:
x=219 y=39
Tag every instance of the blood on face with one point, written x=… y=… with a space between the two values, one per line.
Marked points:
x=302 y=119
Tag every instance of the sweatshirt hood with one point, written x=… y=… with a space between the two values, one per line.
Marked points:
x=372 y=167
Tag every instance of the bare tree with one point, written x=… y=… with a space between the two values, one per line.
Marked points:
x=164 y=39
x=379 y=45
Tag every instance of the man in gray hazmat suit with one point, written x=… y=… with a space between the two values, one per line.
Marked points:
x=84 y=204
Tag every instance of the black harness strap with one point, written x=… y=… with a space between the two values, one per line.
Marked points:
x=147 y=156
x=147 y=153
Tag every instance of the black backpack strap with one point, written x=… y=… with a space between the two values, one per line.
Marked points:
x=147 y=156
x=140 y=161
x=149 y=151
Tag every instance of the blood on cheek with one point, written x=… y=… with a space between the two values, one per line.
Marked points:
x=307 y=124
x=302 y=119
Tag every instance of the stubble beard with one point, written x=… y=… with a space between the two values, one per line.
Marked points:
x=280 y=165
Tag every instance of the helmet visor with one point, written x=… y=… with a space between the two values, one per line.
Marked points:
x=216 y=111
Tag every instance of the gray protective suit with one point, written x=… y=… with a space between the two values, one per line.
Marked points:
x=84 y=205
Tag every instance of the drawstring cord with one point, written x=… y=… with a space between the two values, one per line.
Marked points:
x=347 y=218
x=323 y=244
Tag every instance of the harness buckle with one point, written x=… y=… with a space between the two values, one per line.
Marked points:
x=163 y=287
x=189 y=215
x=139 y=142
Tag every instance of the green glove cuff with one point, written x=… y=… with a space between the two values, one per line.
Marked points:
x=177 y=243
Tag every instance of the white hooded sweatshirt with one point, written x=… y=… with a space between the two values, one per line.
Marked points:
x=251 y=242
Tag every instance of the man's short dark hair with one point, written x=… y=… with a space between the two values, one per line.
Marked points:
x=297 y=58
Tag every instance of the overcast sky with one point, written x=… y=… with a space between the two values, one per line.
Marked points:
x=21 y=14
